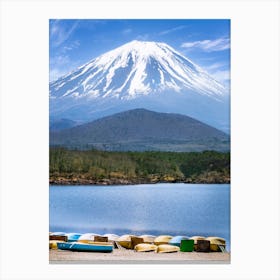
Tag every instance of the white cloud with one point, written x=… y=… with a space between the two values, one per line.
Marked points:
x=209 y=45
x=55 y=74
x=59 y=66
x=59 y=33
x=143 y=37
x=59 y=60
x=221 y=76
x=219 y=71
x=214 y=66
x=127 y=31
x=71 y=46
x=171 y=30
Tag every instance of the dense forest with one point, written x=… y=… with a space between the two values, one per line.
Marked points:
x=109 y=168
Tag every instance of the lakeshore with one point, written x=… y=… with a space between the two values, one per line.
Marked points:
x=124 y=256
x=135 y=181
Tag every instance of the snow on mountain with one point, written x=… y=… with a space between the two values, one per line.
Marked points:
x=137 y=74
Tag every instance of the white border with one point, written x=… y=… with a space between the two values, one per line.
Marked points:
x=255 y=137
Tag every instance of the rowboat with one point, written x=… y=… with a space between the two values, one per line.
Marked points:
x=58 y=236
x=166 y=248
x=176 y=240
x=217 y=244
x=53 y=244
x=144 y=247
x=148 y=238
x=125 y=241
x=195 y=238
x=162 y=239
x=72 y=237
x=112 y=238
x=86 y=237
x=83 y=247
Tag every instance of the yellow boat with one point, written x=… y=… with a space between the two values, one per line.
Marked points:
x=217 y=244
x=144 y=247
x=166 y=248
x=148 y=238
x=162 y=239
x=53 y=244
x=195 y=238
x=125 y=241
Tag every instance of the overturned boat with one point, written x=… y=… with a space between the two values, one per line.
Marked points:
x=86 y=247
x=217 y=244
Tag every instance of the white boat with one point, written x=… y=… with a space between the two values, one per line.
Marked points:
x=162 y=239
x=166 y=248
x=145 y=247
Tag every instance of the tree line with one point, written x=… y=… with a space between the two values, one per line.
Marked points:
x=94 y=166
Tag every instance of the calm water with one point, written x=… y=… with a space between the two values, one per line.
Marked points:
x=175 y=209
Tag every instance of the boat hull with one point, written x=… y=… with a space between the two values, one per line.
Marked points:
x=166 y=248
x=195 y=239
x=176 y=240
x=162 y=239
x=53 y=244
x=83 y=247
x=217 y=244
x=144 y=247
x=125 y=241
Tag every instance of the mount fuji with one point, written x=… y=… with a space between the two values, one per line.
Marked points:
x=148 y=75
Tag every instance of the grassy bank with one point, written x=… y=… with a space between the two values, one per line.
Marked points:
x=100 y=167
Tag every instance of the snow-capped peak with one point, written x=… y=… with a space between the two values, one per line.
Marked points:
x=135 y=69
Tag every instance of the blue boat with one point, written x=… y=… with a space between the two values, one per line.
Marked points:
x=176 y=240
x=86 y=247
x=73 y=237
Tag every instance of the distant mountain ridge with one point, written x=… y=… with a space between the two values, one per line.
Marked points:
x=140 y=130
x=62 y=124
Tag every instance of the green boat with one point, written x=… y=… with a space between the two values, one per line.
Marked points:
x=85 y=247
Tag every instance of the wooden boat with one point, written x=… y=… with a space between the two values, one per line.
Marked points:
x=195 y=238
x=72 y=237
x=203 y=246
x=217 y=244
x=83 y=247
x=148 y=238
x=53 y=244
x=58 y=236
x=125 y=241
x=162 y=239
x=166 y=248
x=145 y=247
x=176 y=240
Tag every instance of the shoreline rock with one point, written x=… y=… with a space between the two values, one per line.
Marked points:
x=115 y=181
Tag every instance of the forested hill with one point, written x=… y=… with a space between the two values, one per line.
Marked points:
x=109 y=168
x=143 y=130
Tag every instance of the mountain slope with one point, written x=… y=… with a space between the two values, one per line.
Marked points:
x=60 y=124
x=140 y=129
x=140 y=74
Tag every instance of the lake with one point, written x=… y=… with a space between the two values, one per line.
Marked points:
x=175 y=209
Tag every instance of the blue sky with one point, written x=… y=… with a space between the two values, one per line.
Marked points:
x=75 y=42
